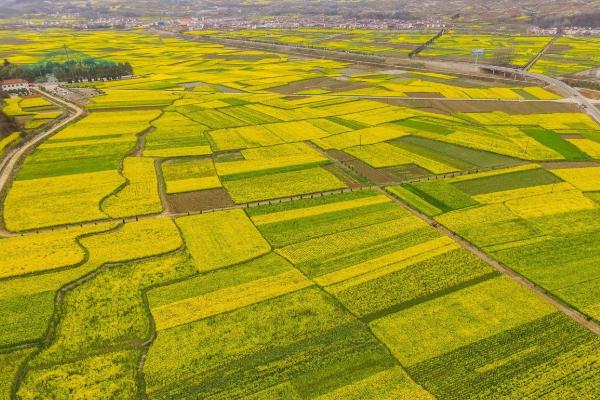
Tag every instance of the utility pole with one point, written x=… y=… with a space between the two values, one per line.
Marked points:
x=66 y=52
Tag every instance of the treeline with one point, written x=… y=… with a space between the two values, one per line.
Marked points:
x=69 y=71
x=7 y=124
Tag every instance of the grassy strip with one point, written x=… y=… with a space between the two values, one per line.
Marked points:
x=514 y=180
x=264 y=172
x=414 y=200
x=554 y=141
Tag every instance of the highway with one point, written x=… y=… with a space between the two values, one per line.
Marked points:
x=584 y=103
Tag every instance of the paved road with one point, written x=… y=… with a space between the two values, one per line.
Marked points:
x=12 y=158
x=584 y=103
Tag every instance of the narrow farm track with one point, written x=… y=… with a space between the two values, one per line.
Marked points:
x=169 y=214
x=10 y=162
x=575 y=315
x=542 y=52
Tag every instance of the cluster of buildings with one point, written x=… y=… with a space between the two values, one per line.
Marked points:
x=215 y=20
x=570 y=31
x=291 y=22
x=73 y=22
x=232 y=22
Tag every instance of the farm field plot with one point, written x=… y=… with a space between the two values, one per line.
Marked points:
x=190 y=175
x=30 y=114
x=411 y=273
x=76 y=172
x=355 y=40
x=231 y=223
x=525 y=217
x=457 y=46
x=569 y=55
x=450 y=46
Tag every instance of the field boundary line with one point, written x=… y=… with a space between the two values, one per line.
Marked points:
x=429 y=297
x=541 y=53
x=576 y=315
x=11 y=161
x=428 y=43
x=59 y=311
x=358 y=319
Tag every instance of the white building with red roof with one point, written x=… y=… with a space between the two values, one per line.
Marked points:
x=14 y=85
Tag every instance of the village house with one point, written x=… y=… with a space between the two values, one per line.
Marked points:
x=15 y=85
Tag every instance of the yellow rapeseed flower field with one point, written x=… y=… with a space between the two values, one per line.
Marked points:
x=36 y=203
x=584 y=179
x=140 y=195
x=282 y=216
x=221 y=238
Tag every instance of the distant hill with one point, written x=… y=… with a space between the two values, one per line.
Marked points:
x=561 y=12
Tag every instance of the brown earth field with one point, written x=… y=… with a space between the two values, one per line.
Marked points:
x=349 y=177
x=569 y=164
x=590 y=93
x=326 y=83
x=378 y=176
x=198 y=201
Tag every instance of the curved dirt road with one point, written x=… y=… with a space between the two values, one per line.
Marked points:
x=11 y=159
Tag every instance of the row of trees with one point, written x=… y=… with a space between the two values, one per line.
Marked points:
x=69 y=71
x=7 y=124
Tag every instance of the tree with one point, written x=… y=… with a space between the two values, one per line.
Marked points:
x=503 y=56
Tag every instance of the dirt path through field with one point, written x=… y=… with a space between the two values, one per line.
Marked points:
x=542 y=52
x=577 y=316
x=10 y=162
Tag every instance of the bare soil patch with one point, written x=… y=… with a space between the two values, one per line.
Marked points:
x=572 y=136
x=326 y=83
x=198 y=201
x=350 y=178
x=226 y=156
x=378 y=176
x=14 y=41
x=590 y=94
x=569 y=164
